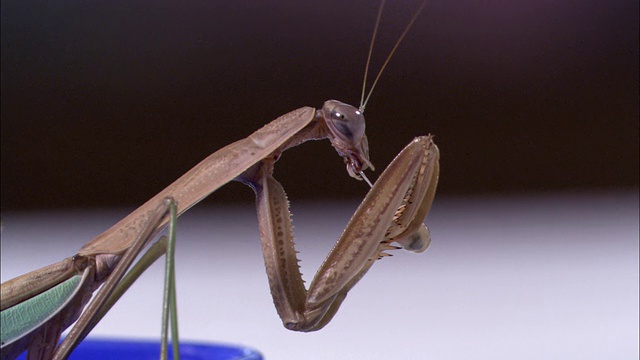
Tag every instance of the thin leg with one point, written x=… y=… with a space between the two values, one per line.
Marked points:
x=86 y=322
x=156 y=250
x=169 y=304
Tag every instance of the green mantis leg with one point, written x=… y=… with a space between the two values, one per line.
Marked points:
x=121 y=283
x=170 y=302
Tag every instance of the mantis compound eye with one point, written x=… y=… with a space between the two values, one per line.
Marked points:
x=346 y=126
x=348 y=122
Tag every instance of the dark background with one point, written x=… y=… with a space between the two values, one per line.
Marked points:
x=105 y=103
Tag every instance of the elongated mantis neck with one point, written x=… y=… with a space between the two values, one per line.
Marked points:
x=315 y=130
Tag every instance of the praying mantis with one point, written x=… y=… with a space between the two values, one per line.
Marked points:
x=392 y=212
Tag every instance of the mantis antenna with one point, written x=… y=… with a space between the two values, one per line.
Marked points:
x=363 y=101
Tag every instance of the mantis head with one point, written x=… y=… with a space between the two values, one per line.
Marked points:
x=345 y=125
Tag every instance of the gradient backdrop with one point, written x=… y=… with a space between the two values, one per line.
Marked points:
x=104 y=104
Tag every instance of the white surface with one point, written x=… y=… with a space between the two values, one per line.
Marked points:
x=551 y=277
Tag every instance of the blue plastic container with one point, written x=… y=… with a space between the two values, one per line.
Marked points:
x=138 y=350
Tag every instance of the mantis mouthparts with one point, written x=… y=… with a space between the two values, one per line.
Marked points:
x=366 y=179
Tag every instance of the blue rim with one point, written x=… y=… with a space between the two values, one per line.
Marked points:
x=99 y=349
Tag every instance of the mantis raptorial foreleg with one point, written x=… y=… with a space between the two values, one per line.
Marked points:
x=393 y=211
